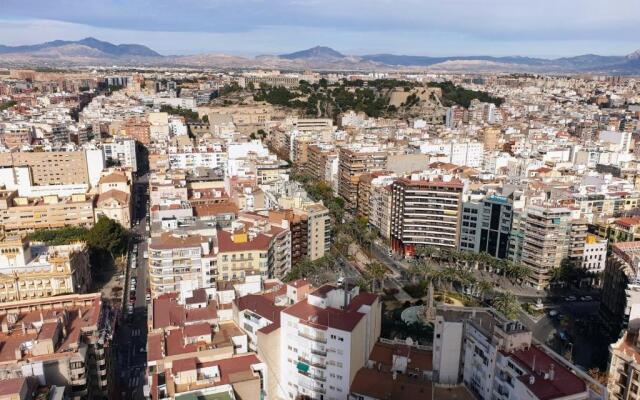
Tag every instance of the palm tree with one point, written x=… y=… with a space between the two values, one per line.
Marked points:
x=377 y=271
x=483 y=288
x=507 y=303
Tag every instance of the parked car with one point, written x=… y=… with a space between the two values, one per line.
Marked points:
x=570 y=298
x=586 y=298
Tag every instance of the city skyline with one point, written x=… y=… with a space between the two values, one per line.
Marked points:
x=252 y=28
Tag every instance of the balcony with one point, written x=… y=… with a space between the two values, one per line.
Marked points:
x=315 y=338
x=314 y=362
x=313 y=387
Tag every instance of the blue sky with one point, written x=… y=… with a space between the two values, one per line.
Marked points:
x=547 y=28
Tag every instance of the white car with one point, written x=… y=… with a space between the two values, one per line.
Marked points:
x=570 y=298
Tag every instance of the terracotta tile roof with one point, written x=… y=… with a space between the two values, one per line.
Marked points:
x=381 y=385
x=299 y=283
x=155 y=343
x=208 y=210
x=226 y=244
x=260 y=305
x=564 y=384
x=627 y=221
x=11 y=386
x=199 y=329
x=383 y=353
x=323 y=318
x=113 y=177
x=168 y=241
x=185 y=364
x=113 y=194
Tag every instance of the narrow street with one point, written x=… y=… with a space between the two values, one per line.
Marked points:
x=131 y=338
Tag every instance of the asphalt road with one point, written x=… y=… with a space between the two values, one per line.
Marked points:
x=131 y=357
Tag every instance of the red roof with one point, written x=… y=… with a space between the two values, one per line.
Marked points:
x=200 y=329
x=564 y=383
x=262 y=306
x=11 y=386
x=226 y=244
x=628 y=221
x=322 y=318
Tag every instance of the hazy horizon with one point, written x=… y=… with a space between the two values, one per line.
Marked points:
x=544 y=28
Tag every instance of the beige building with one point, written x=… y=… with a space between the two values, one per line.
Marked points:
x=353 y=163
x=22 y=214
x=425 y=213
x=319 y=230
x=30 y=271
x=114 y=201
x=320 y=160
x=56 y=167
x=624 y=367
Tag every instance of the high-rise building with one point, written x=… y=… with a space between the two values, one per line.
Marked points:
x=58 y=167
x=486 y=226
x=425 y=213
x=353 y=163
x=546 y=241
x=324 y=341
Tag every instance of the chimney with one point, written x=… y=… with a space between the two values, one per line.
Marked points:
x=532 y=380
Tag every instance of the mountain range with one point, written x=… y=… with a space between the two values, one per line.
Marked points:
x=91 y=51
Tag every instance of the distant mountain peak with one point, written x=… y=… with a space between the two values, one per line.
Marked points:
x=314 y=52
x=109 y=49
x=634 y=56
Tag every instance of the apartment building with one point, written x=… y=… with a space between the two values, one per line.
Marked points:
x=594 y=256
x=181 y=263
x=624 y=367
x=15 y=135
x=496 y=358
x=325 y=340
x=22 y=214
x=29 y=271
x=319 y=230
x=546 y=241
x=261 y=249
x=138 y=129
x=62 y=341
x=625 y=229
x=191 y=354
x=189 y=157
x=299 y=227
x=58 y=167
x=380 y=206
x=322 y=163
x=470 y=154
x=486 y=226
x=425 y=213
x=353 y=163
x=121 y=152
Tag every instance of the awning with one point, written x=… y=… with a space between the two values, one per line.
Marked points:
x=303 y=367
